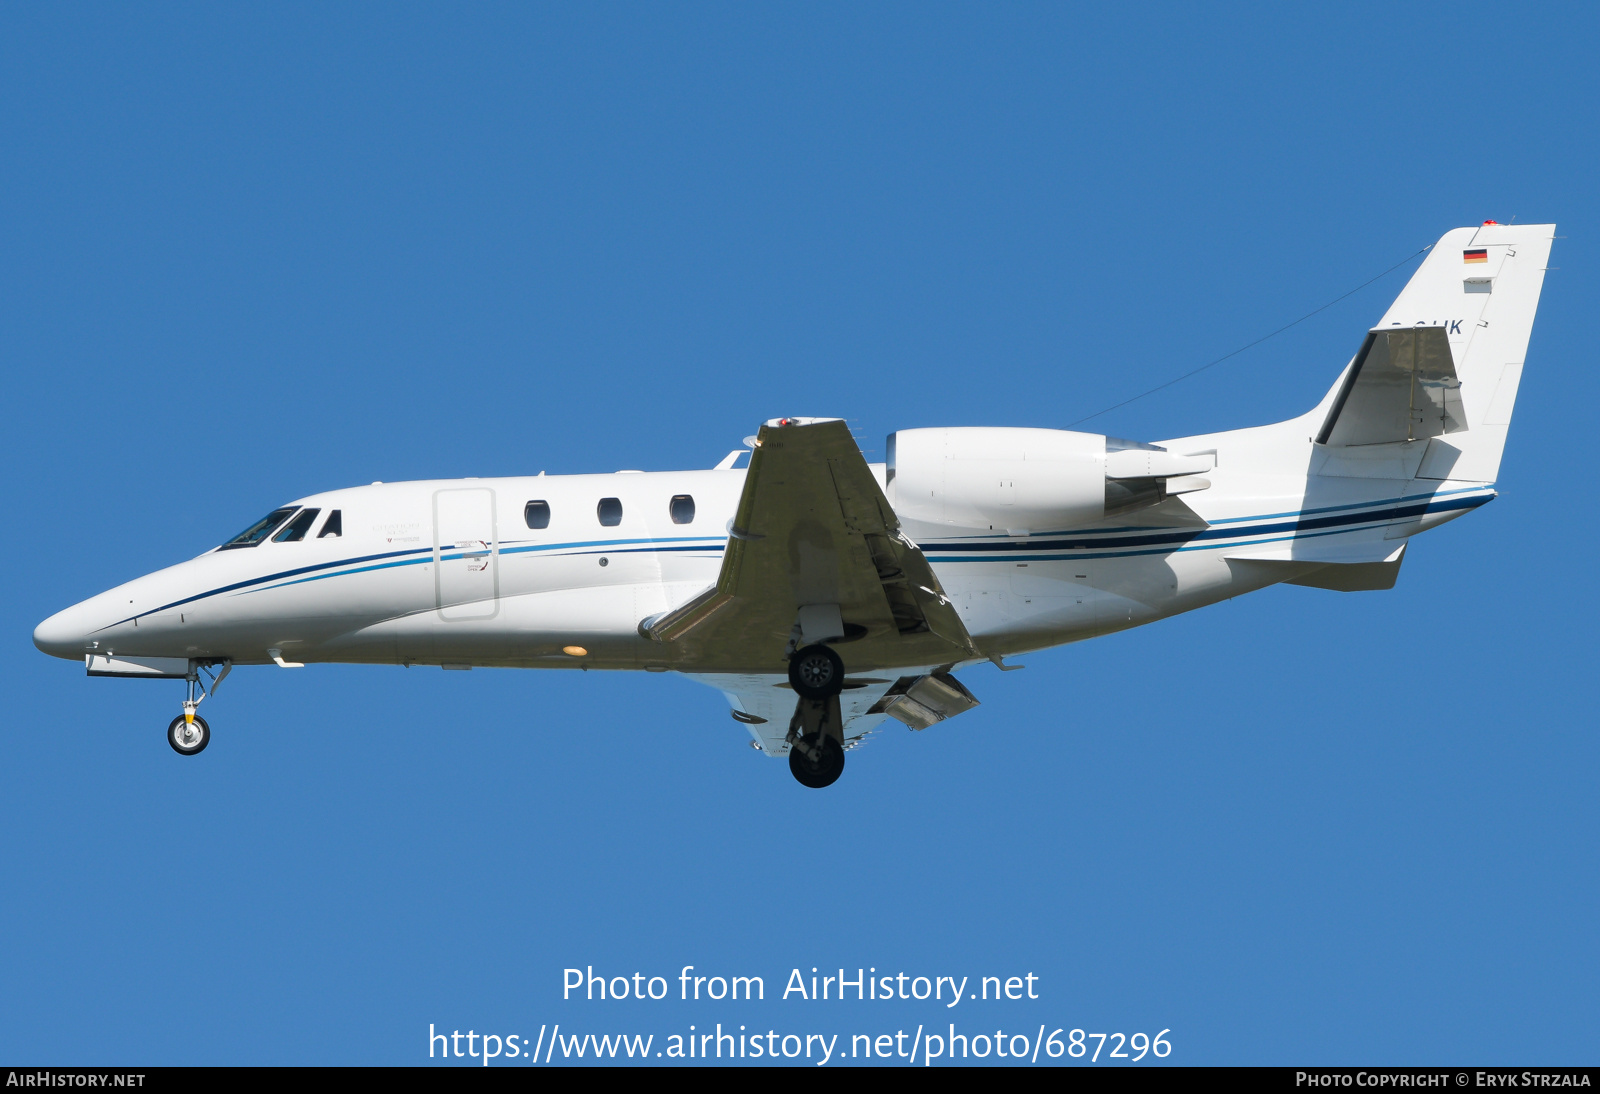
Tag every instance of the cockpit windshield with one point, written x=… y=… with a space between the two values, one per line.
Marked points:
x=260 y=530
x=296 y=529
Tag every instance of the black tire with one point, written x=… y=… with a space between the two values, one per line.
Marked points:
x=816 y=672
x=827 y=768
x=173 y=739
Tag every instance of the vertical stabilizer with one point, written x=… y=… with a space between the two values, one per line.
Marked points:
x=1443 y=364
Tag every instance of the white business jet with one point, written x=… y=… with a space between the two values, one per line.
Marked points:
x=822 y=594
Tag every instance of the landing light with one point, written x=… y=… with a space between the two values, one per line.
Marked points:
x=574 y=651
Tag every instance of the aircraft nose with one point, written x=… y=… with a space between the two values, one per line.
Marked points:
x=63 y=634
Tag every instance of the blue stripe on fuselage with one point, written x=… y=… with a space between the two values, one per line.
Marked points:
x=1106 y=543
x=1180 y=539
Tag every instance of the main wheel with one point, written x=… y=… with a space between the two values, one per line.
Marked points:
x=186 y=739
x=816 y=672
x=822 y=771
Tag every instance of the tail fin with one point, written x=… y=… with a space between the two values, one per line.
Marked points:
x=1444 y=362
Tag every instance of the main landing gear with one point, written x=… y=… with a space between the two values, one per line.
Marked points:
x=816 y=672
x=189 y=734
x=816 y=732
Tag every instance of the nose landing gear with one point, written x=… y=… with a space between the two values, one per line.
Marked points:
x=189 y=734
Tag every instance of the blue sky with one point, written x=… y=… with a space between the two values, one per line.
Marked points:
x=255 y=252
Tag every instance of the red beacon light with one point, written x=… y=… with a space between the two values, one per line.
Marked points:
x=1489 y=222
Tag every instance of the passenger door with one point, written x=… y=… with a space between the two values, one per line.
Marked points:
x=466 y=554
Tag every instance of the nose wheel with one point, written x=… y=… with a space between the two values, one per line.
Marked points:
x=188 y=734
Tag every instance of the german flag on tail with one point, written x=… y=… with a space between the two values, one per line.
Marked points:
x=1475 y=256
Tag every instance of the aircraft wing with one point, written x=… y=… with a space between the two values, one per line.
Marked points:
x=765 y=704
x=813 y=531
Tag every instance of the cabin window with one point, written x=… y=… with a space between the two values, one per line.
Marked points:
x=260 y=530
x=537 y=514
x=296 y=529
x=610 y=511
x=334 y=526
x=682 y=509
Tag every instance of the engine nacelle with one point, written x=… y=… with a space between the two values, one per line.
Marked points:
x=1029 y=480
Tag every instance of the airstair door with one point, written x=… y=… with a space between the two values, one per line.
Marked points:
x=466 y=554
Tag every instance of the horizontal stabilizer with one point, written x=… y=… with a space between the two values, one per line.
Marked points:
x=1352 y=577
x=1402 y=387
x=1370 y=545
x=1344 y=577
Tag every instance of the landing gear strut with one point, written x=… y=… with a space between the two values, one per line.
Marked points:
x=189 y=734
x=816 y=732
